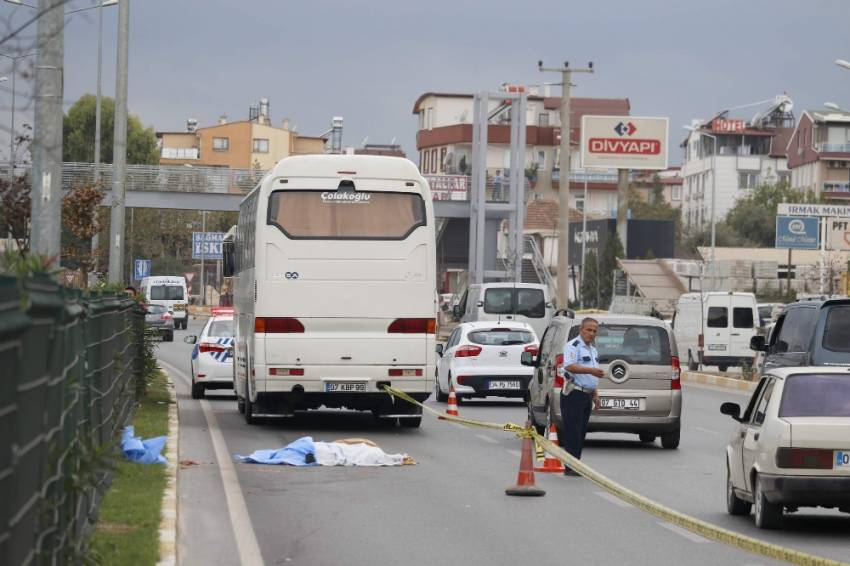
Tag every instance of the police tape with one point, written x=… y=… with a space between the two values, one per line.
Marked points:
x=673 y=517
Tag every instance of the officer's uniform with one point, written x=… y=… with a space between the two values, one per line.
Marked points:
x=577 y=394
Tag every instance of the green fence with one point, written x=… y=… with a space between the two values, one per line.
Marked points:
x=70 y=364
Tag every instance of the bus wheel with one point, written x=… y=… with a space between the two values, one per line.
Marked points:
x=240 y=405
x=249 y=406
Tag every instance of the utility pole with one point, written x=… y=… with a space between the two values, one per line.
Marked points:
x=119 y=148
x=564 y=180
x=97 y=108
x=47 y=131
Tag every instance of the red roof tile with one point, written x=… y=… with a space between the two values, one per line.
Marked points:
x=543 y=215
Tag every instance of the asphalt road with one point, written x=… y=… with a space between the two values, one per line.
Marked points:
x=451 y=507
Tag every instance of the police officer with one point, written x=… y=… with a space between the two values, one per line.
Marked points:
x=580 y=392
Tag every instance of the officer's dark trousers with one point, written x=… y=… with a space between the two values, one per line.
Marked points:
x=575 y=413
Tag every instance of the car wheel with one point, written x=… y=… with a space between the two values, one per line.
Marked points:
x=722 y=368
x=670 y=440
x=197 y=389
x=646 y=437
x=767 y=515
x=692 y=364
x=249 y=406
x=441 y=396
x=735 y=505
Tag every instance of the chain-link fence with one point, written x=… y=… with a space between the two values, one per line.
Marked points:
x=70 y=364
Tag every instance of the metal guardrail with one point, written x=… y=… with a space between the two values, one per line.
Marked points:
x=69 y=368
x=539 y=264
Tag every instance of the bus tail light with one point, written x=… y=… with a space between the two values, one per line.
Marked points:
x=468 y=351
x=804 y=458
x=287 y=372
x=676 y=383
x=558 y=381
x=413 y=326
x=395 y=372
x=276 y=325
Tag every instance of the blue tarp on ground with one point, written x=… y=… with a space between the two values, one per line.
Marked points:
x=142 y=451
x=294 y=454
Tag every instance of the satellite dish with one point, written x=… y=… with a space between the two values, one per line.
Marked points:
x=784 y=103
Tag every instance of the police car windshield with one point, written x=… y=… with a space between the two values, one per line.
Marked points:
x=500 y=337
x=221 y=329
x=166 y=293
x=642 y=345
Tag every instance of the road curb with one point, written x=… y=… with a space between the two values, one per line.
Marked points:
x=168 y=515
x=718 y=381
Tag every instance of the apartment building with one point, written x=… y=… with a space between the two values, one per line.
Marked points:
x=245 y=144
x=733 y=156
x=444 y=142
x=670 y=181
x=819 y=154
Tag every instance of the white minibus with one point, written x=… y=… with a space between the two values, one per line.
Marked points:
x=169 y=291
x=335 y=288
x=718 y=324
x=523 y=302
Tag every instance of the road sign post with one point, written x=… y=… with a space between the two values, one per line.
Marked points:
x=141 y=269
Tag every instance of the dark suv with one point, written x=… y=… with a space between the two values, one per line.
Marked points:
x=808 y=333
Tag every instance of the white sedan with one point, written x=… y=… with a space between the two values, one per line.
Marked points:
x=212 y=356
x=482 y=359
x=791 y=447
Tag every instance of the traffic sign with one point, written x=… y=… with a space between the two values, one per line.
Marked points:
x=207 y=245
x=141 y=269
x=623 y=142
x=838 y=234
x=798 y=233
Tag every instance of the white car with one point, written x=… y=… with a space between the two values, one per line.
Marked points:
x=791 y=447
x=482 y=359
x=212 y=356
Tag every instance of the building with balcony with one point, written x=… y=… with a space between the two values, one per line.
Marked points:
x=819 y=154
x=444 y=142
x=734 y=156
x=245 y=144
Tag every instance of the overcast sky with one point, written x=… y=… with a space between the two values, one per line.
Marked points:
x=368 y=61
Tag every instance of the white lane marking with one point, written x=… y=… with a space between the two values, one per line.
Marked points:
x=613 y=499
x=240 y=520
x=693 y=537
x=486 y=438
x=516 y=453
x=708 y=430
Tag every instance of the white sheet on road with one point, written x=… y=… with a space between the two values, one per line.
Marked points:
x=305 y=452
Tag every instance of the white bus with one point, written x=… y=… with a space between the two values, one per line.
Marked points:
x=335 y=288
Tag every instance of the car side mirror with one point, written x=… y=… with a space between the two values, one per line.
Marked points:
x=479 y=304
x=527 y=359
x=731 y=409
x=456 y=311
x=191 y=339
x=757 y=343
x=550 y=306
x=439 y=350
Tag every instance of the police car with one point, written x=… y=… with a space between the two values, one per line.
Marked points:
x=212 y=356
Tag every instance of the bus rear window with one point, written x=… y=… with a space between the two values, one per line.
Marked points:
x=166 y=293
x=346 y=214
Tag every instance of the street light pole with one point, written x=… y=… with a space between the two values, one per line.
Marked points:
x=564 y=180
x=713 y=209
x=119 y=148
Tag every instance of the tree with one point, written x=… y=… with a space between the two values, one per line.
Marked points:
x=754 y=218
x=79 y=225
x=607 y=265
x=16 y=212
x=78 y=132
x=590 y=280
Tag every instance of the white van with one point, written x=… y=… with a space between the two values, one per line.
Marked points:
x=169 y=291
x=718 y=326
x=335 y=288
x=523 y=302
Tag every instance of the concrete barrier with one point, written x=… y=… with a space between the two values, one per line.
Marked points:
x=718 y=381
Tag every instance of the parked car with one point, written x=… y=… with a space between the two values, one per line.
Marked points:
x=808 y=333
x=641 y=392
x=212 y=356
x=791 y=447
x=522 y=302
x=160 y=319
x=482 y=359
x=715 y=328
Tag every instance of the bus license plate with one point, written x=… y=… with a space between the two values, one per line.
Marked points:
x=345 y=386
x=842 y=459
x=616 y=403
x=503 y=384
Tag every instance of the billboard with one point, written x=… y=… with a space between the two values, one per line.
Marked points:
x=789 y=209
x=838 y=234
x=207 y=245
x=646 y=238
x=623 y=142
x=797 y=233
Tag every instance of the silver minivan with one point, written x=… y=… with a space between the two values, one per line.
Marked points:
x=641 y=392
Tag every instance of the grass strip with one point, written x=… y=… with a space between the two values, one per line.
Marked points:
x=127 y=530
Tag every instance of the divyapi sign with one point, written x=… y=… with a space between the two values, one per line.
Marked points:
x=623 y=142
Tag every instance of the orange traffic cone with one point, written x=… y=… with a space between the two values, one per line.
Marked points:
x=550 y=463
x=452 y=408
x=525 y=478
